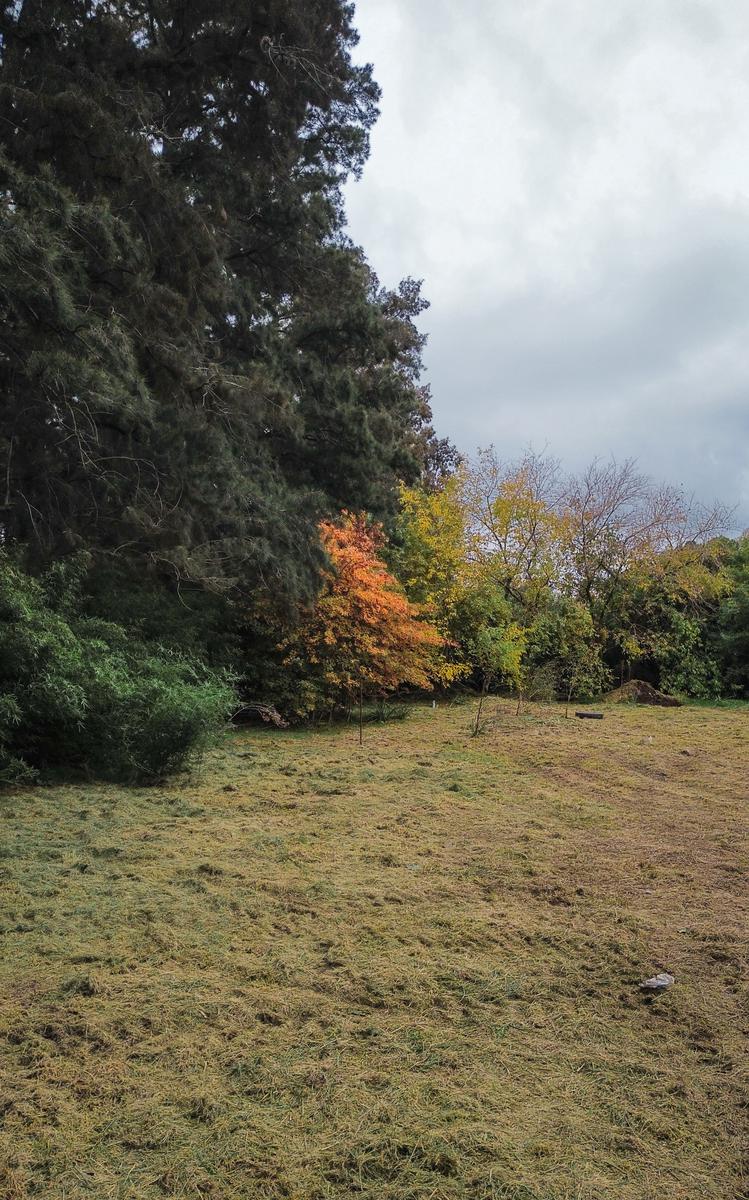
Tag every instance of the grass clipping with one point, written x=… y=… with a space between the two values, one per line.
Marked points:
x=406 y=971
x=638 y=691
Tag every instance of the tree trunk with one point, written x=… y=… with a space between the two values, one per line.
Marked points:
x=484 y=690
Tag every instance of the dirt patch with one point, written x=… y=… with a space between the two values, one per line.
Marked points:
x=637 y=691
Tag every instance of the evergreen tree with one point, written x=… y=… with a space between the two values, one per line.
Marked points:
x=195 y=363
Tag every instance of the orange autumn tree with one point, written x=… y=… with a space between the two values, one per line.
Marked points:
x=362 y=633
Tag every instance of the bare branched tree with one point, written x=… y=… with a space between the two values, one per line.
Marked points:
x=619 y=518
x=538 y=531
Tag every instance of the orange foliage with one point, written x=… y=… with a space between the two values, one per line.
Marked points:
x=362 y=631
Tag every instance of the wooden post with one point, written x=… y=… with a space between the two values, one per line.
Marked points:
x=361 y=722
x=573 y=681
x=484 y=690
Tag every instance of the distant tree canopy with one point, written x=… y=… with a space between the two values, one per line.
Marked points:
x=602 y=573
x=196 y=365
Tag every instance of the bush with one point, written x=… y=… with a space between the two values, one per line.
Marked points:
x=563 y=643
x=84 y=694
x=685 y=666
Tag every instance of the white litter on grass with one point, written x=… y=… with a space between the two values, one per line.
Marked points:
x=658 y=983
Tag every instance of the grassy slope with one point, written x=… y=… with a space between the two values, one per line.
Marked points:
x=405 y=971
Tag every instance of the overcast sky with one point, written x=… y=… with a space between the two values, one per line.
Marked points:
x=571 y=180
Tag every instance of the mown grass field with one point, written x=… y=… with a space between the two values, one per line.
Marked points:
x=315 y=971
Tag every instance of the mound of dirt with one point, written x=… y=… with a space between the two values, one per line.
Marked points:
x=637 y=691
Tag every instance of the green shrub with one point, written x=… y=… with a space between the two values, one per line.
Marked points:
x=562 y=643
x=84 y=694
x=685 y=666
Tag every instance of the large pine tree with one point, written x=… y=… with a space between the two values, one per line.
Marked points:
x=195 y=363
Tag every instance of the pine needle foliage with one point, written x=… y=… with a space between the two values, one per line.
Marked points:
x=195 y=363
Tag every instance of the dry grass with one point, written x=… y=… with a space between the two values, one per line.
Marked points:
x=407 y=971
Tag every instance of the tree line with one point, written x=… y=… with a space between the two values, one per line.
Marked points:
x=220 y=481
x=570 y=585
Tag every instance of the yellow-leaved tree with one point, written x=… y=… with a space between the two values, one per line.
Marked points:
x=436 y=550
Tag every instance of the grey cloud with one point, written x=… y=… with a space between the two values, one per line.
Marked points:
x=571 y=181
x=639 y=316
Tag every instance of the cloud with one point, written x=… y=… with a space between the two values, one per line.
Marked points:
x=571 y=181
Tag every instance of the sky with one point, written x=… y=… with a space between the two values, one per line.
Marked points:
x=570 y=178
